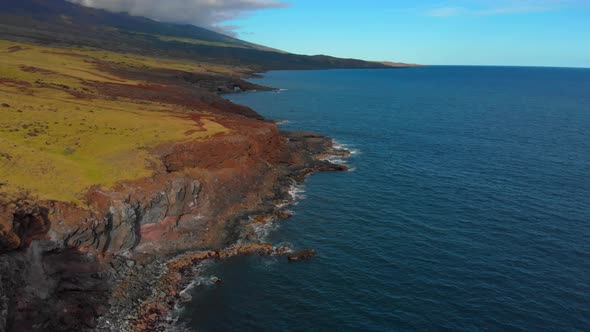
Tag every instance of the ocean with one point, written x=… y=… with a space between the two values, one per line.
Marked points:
x=467 y=207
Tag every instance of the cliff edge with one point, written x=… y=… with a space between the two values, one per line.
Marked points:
x=113 y=162
x=122 y=167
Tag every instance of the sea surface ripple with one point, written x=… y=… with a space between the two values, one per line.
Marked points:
x=468 y=210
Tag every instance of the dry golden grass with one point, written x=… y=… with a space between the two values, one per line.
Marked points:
x=31 y=63
x=55 y=145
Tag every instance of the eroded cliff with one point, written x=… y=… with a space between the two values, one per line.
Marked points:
x=110 y=167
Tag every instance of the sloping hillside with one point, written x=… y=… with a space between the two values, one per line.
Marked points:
x=117 y=151
x=63 y=23
x=110 y=160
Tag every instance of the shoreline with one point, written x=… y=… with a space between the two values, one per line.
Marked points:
x=135 y=307
x=120 y=261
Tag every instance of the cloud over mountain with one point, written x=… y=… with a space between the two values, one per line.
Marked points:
x=205 y=13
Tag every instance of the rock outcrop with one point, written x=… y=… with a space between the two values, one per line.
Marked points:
x=86 y=260
x=301 y=255
x=62 y=262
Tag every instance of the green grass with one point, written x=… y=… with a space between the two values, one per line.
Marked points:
x=56 y=146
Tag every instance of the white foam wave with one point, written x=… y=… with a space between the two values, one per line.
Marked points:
x=338 y=145
x=282 y=122
x=202 y=279
x=335 y=160
x=264 y=230
x=343 y=146
x=297 y=192
x=282 y=204
x=285 y=245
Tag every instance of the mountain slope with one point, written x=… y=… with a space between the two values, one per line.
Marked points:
x=59 y=12
x=61 y=22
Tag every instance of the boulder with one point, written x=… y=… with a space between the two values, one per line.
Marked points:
x=301 y=255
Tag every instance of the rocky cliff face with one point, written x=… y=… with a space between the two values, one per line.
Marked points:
x=61 y=261
x=207 y=165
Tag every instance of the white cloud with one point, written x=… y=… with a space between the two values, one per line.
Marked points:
x=501 y=7
x=205 y=13
x=446 y=11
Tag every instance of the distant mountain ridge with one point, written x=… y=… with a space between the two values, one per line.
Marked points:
x=47 y=11
x=64 y=23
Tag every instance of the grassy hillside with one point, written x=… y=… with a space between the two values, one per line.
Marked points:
x=60 y=134
x=85 y=94
x=59 y=22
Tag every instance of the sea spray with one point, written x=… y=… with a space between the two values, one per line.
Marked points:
x=337 y=145
x=297 y=192
x=263 y=230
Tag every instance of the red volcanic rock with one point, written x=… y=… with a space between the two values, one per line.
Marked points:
x=68 y=263
x=283 y=214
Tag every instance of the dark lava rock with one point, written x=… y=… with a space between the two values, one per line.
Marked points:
x=301 y=255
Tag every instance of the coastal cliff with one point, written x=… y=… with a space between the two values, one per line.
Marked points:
x=122 y=166
x=92 y=226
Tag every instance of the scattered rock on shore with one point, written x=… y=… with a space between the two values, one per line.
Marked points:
x=301 y=255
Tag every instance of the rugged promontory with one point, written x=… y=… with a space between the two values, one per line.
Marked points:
x=112 y=164
x=122 y=166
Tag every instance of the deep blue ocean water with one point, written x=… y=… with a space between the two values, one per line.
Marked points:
x=468 y=209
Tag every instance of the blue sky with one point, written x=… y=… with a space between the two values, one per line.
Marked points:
x=467 y=32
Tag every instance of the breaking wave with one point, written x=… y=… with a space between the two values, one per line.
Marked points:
x=265 y=229
x=343 y=146
x=297 y=192
x=282 y=122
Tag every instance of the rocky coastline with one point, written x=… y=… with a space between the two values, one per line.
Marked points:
x=121 y=261
x=147 y=294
